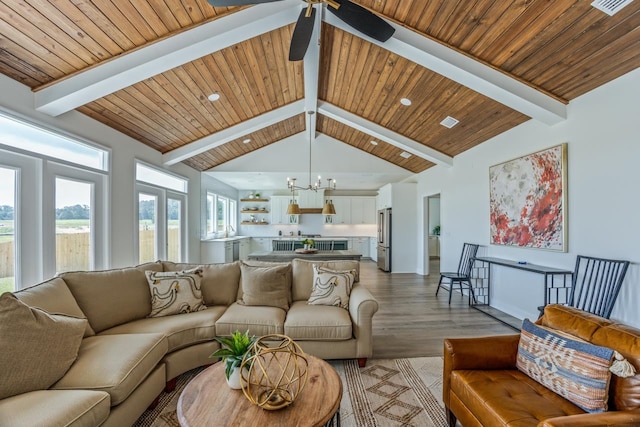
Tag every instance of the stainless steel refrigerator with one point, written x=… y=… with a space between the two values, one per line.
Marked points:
x=384 y=239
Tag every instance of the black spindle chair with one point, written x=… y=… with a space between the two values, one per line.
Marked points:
x=463 y=275
x=596 y=284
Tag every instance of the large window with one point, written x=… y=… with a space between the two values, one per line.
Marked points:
x=53 y=199
x=222 y=215
x=162 y=216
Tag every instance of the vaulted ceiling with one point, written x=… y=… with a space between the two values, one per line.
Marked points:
x=146 y=68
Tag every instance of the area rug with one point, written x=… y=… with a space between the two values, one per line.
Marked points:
x=385 y=393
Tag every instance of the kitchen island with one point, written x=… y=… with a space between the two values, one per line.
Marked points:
x=286 y=256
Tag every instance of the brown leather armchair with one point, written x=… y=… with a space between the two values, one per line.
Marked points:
x=483 y=387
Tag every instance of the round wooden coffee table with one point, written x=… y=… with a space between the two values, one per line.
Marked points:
x=208 y=401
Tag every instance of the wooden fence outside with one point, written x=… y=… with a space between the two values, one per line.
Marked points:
x=72 y=251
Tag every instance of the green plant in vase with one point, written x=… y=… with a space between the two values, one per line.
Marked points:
x=308 y=243
x=233 y=350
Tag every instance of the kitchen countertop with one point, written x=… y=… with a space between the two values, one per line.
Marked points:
x=226 y=239
x=283 y=256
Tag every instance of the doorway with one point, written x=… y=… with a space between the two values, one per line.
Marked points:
x=431 y=230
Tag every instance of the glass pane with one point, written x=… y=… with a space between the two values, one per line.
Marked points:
x=31 y=138
x=174 y=230
x=7 y=230
x=73 y=225
x=162 y=179
x=233 y=214
x=221 y=214
x=210 y=212
x=147 y=209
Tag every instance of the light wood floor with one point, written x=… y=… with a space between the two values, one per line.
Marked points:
x=412 y=322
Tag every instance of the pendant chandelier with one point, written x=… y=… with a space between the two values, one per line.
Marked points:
x=294 y=208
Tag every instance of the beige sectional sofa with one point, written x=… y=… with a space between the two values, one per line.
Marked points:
x=126 y=358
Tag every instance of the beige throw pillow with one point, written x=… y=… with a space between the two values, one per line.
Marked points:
x=175 y=292
x=331 y=287
x=38 y=348
x=265 y=285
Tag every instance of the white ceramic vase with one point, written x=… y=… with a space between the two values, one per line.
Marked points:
x=235 y=379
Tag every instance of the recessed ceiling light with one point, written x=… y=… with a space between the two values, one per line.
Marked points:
x=405 y=101
x=374 y=142
x=405 y=155
x=246 y=141
x=449 y=122
x=213 y=97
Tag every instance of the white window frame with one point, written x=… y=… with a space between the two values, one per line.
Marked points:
x=213 y=231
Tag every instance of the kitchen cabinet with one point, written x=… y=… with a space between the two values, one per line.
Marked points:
x=279 y=215
x=343 y=211
x=363 y=210
x=384 y=197
x=260 y=244
x=434 y=246
x=245 y=248
x=360 y=245
x=311 y=199
x=373 y=248
x=216 y=251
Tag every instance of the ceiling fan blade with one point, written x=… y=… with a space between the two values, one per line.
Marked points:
x=225 y=3
x=302 y=35
x=362 y=20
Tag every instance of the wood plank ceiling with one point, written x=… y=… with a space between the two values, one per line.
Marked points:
x=561 y=48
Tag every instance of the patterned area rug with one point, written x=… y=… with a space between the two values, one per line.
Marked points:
x=385 y=393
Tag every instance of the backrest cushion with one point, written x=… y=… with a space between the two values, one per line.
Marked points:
x=624 y=394
x=572 y=321
x=53 y=296
x=255 y=263
x=112 y=297
x=575 y=369
x=219 y=282
x=37 y=348
x=265 y=286
x=303 y=275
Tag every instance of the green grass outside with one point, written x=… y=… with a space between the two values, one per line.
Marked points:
x=6 y=284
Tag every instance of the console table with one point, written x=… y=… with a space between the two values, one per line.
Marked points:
x=557 y=283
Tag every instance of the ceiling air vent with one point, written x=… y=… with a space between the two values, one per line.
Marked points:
x=449 y=122
x=405 y=155
x=610 y=7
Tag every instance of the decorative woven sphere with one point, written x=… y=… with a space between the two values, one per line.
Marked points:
x=276 y=374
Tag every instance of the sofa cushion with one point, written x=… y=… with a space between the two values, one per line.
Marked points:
x=624 y=393
x=112 y=297
x=69 y=408
x=572 y=321
x=331 y=287
x=265 y=286
x=255 y=263
x=317 y=323
x=517 y=401
x=575 y=369
x=116 y=364
x=181 y=331
x=175 y=292
x=220 y=282
x=53 y=296
x=302 y=275
x=37 y=347
x=259 y=320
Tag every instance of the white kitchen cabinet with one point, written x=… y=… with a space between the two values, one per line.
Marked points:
x=215 y=252
x=311 y=199
x=363 y=210
x=360 y=245
x=343 y=211
x=279 y=205
x=260 y=244
x=245 y=248
x=373 y=248
x=384 y=197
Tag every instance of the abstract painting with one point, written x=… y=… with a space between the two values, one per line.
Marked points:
x=528 y=200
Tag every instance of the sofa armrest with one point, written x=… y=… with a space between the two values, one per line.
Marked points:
x=613 y=418
x=482 y=353
x=362 y=307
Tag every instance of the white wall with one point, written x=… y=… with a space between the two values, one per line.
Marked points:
x=602 y=132
x=17 y=98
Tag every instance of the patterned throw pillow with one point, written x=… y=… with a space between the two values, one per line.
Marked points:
x=572 y=368
x=175 y=292
x=331 y=287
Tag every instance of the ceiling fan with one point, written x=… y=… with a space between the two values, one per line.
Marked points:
x=355 y=15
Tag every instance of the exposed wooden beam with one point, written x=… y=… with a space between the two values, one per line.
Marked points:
x=153 y=59
x=384 y=134
x=219 y=138
x=468 y=72
x=312 y=74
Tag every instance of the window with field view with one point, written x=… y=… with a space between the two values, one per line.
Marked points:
x=7 y=229
x=221 y=214
x=73 y=225
x=174 y=230
x=147 y=214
